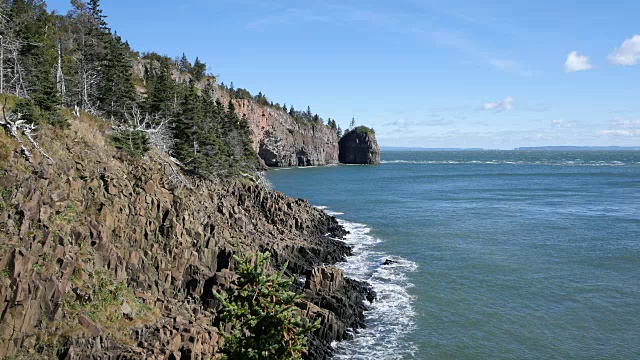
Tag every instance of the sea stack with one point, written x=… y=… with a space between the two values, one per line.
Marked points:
x=359 y=146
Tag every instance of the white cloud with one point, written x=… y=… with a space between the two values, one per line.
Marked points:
x=628 y=53
x=564 y=124
x=577 y=62
x=622 y=127
x=405 y=125
x=504 y=105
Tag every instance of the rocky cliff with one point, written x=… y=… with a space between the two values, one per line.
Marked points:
x=107 y=257
x=359 y=146
x=278 y=138
x=281 y=141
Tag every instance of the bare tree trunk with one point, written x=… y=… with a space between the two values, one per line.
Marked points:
x=60 y=75
x=1 y=64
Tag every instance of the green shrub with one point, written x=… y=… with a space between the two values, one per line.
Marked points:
x=133 y=142
x=265 y=323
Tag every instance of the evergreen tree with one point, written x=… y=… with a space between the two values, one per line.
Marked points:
x=187 y=129
x=133 y=142
x=183 y=64
x=162 y=90
x=116 y=91
x=214 y=150
x=339 y=132
x=238 y=140
x=199 y=70
x=260 y=308
x=98 y=17
x=33 y=26
x=352 y=124
x=92 y=35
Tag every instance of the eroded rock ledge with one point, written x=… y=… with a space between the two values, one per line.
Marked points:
x=99 y=228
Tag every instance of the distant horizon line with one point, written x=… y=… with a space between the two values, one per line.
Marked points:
x=522 y=148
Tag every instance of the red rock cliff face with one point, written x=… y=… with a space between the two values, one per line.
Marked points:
x=278 y=139
x=281 y=141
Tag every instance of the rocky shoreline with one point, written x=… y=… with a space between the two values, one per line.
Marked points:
x=107 y=257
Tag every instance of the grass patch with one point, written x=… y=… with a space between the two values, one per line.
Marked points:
x=101 y=298
x=5 y=195
x=11 y=100
x=6 y=147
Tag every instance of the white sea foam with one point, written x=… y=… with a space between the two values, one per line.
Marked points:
x=391 y=317
x=329 y=212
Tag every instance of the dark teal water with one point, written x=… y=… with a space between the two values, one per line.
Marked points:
x=501 y=254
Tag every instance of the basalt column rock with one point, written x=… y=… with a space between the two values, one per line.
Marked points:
x=338 y=302
x=97 y=236
x=359 y=146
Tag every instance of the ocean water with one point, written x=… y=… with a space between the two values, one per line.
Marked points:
x=499 y=254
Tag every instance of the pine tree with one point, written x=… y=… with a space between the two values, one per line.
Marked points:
x=45 y=93
x=214 y=150
x=116 y=89
x=237 y=136
x=91 y=35
x=34 y=27
x=187 y=129
x=199 y=69
x=133 y=142
x=162 y=90
x=98 y=17
x=183 y=64
x=261 y=310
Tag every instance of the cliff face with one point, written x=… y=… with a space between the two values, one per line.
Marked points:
x=107 y=257
x=280 y=141
x=359 y=146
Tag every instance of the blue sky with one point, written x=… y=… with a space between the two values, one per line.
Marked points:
x=492 y=74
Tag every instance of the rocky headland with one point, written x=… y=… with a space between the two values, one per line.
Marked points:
x=105 y=256
x=359 y=146
x=281 y=141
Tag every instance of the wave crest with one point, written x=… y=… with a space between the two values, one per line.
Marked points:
x=392 y=316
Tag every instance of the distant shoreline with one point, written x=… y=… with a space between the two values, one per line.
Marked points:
x=579 y=148
x=533 y=148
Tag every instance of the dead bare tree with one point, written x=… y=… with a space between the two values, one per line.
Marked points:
x=15 y=125
x=3 y=21
x=1 y=64
x=155 y=127
x=157 y=131
x=59 y=73
x=10 y=61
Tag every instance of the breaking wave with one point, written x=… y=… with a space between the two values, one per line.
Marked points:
x=392 y=316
